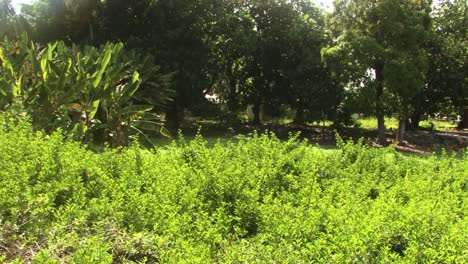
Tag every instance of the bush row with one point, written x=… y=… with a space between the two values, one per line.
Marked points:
x=258 y=200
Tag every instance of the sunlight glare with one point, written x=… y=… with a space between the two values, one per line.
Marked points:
x=17 y=4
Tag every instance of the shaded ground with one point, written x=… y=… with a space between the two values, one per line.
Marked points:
x=422 y=141
x=432 y=140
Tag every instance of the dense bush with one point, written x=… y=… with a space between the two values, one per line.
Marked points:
x=258 y=200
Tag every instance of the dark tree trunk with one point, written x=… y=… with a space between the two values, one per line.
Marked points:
x=415 y=119
x=232 y=102
x=120 y=137
x=464 y=121
x=378 y=105
x=256 y=113
x=300 y=115
x=101 y=135
x=172 y=117
x=91 y=32
x=400 y=136
x=232 y=96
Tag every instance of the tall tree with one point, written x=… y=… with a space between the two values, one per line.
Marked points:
x=234 y=44
x=176 y=32
x=381 y=40
x=7 y=14
x=73 y=21
x=449 y=65
x=309 y=87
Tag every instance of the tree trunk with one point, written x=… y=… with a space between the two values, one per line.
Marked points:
x=299 y=119
x=400 y=136
x=464 y=121
x=232 y=96
x=91 y=32
x=256 y=113
x=415 y=119
x=120 y=137
x=232 y=102
x=381 y=138
x=378 y=105
x=172 y=117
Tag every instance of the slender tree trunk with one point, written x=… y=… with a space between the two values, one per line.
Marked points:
x=464 y=122
x=232 y=102
x=300 y=115
x=400 y=136
x=256 y=112
x=100 y=135
x=91 y=32
x=378 y=105
x=415 y=119
x=172 y=116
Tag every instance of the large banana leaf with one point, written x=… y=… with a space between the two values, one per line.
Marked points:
x=150 y=126
x=104 y=63
x=131 y=110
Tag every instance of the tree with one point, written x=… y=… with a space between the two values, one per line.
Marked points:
x=73 y=21
x=176 y=33
x=309 y=86
x=6 y=10
x=380 y=41
x=449 y=65
x=7 y=14
x=235 y=36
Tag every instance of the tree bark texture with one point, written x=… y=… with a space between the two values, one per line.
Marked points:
x=379 y=106
x=400 y=136
x=300 y=115
x=256 y=113
x=464 y=122
x=415 y=120
x=172 y=116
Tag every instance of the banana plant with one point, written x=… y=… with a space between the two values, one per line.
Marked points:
x=12 y=60
x=40 y=79
x=54 y=85
x=117 y=78
x=83 y=91
x=112 y=76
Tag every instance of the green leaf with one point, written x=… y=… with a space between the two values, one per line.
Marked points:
x=65 y=70
x=151 y=126
x=34 y=60
x=143 y=134
x=103 y=67
x=50 y=50
x=136 y=109
x=44 y=69
x=95 y=108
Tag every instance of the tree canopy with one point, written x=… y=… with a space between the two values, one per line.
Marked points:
x=387 y=58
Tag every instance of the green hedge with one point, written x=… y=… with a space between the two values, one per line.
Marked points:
x=258 y=200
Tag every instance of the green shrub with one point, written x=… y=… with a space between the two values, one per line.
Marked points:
x=259 y=200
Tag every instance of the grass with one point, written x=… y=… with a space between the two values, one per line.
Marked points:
x=214 y=132
x=392 y=123
x=371 y=123
x=210 y=141
x=438 y=125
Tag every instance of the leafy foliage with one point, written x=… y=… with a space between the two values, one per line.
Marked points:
x=273 y=202
x=379 y=44
x=81 y=91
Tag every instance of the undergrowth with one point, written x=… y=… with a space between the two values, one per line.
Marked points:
x=258 y=200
